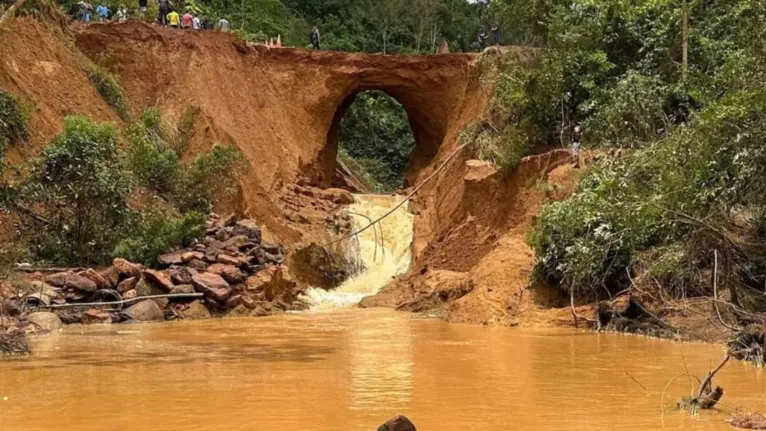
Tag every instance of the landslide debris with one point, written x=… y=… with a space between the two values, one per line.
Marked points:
x=230 y=271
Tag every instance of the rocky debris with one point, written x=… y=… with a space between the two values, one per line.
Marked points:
x=96 y=316
x=44 y=321
x=195 y=311
x=92 y=275
x=127 y=269
x=127 y=285
x=78 y=282
x=192 y=255
x=175 y=258
x=183 y=288
x=218 y=266
x=111 y=275
x=145 y=311
x=159 y=279
x=398 y=423
x=212 y=285
x=230 y=273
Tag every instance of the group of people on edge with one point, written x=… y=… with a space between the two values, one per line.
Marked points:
x=483 y=36
x=168 y=16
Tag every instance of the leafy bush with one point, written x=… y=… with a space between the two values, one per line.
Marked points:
x=629 y=113
x=645 y=208
x=13 y=120
x=153 y=164
x=212 y=175
x=154 y=234
x=108 y=87
x=78 y=188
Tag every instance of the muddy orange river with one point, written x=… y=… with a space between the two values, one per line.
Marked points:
x=352 y=370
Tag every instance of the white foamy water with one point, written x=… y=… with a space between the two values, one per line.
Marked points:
x=385 y=252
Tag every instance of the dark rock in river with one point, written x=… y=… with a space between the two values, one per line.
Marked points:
x=398 y=423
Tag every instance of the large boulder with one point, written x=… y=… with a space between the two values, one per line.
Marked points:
x=227 y=260
x=159 y=279
x=212 y=285
x=92 y=275
x=145 y=311
x=192 y=255
x=274 y=283
x=175 y=258
x=230 y=273
x=78 y=282
x=196 y=311
x=127 y=284
x=127 y=269
x=111 y=275
x=58 y=279
x=398 y=423
x=45 y=321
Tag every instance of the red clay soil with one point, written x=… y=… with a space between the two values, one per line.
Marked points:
x=39 y=63
x=477 y=271
x=282 y=107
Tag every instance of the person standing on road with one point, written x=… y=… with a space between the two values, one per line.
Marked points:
x=496 y=34
x=188 y=20
x=143 y=6
x=162 y=16
x=196 y=23
x=207 y=24
x=481 y=38
x=223 y=25
x=174 y=20
x=576 y=146
x=316 y=38
x=103 y=13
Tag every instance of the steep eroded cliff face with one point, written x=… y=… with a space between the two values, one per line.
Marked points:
x=282 y=107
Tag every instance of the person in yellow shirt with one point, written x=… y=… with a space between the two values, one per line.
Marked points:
x=174 y=20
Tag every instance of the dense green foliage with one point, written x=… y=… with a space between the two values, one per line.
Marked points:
x=153 y=234
x=106 y=85
x=79 y=203
x=376 y=134
x=695 y=178
x=155 y=161
x=79 y=188
x=13 y=120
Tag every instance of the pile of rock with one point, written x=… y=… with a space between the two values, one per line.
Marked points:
x=232 y=270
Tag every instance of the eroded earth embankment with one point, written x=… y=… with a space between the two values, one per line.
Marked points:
x=282 y=109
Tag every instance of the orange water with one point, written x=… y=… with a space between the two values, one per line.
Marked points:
x=351 y=370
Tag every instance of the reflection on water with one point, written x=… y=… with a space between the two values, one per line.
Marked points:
x=350 y=370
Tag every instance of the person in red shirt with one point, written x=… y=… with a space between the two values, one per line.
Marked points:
x=188 y=20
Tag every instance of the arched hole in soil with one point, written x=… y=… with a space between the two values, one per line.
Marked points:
x=374 y=141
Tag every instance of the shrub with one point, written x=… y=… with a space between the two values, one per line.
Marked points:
x=13 y=120
x=108 y=87
x=79 y=188
x=629 y=113
x=668 y=204
x=153 y=164
x=212 y=175
x=154 y=234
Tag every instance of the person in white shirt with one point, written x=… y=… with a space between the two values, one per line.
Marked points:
x=196 y=24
